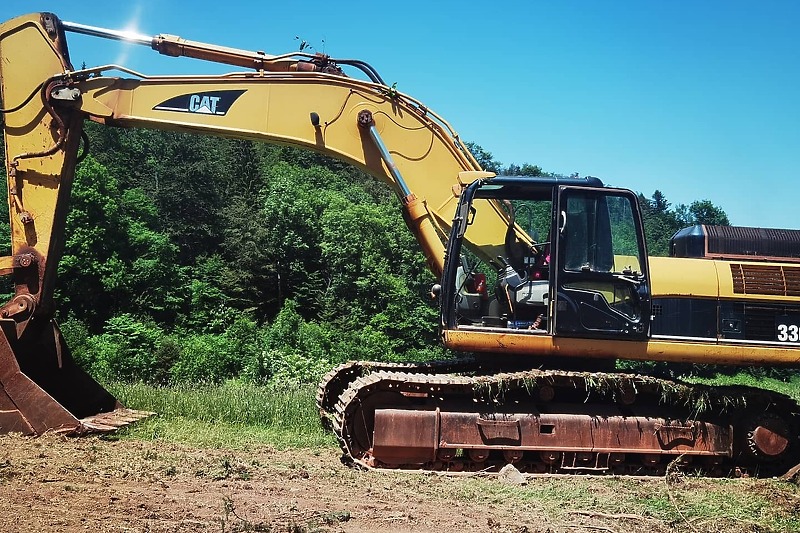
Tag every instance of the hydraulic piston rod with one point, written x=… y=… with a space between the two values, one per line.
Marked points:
x=116 y=35
x=366 y=121
x=416 y=211
x=174 y=46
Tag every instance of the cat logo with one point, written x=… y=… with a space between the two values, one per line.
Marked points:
x=203 y=104
x=206 y=103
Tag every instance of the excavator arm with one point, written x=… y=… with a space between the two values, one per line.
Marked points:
x=295 y=99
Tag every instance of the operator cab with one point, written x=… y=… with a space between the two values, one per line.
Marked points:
x=572 y=263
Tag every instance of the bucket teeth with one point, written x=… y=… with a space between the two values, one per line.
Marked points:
x=113 y=420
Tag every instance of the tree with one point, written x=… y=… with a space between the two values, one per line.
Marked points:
x=659 y=203
x=525 y=170
x=704 y=212
x=185 y=176
x=376 y=274
x=660 y=223
x=484 y=158
x=114 y=260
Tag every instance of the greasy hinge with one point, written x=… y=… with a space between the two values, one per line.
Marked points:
x=50 y=23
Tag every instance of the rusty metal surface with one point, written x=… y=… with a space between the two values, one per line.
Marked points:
x=27 y=408
x=403 y=436
x=586 y=433
x=770 y=436
x=583 y=423
x=43 y=390
x=418 y=436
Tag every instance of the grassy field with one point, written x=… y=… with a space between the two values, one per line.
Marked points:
x=232 y=415
x=245 y=417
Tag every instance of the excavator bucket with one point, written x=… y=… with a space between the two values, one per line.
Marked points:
x=43 y=390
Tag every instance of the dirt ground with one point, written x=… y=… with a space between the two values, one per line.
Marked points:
x=57 y=484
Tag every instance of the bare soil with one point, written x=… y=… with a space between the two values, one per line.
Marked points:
x=58 y=484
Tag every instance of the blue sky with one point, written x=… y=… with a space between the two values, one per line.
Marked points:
x=698 y=99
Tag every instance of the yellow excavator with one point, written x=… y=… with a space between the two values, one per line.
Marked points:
x=543 y=282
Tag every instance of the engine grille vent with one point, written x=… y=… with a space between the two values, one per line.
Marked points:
x=764 y=242
x=759 y=321
x=763 y=279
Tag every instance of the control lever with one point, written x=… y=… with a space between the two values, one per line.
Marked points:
x=508 y=277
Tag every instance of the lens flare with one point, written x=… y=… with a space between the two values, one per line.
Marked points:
x=130 y=30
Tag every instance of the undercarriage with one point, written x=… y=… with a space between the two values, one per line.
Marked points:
x=453 y=417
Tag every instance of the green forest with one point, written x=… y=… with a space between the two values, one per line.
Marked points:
x=198 y=259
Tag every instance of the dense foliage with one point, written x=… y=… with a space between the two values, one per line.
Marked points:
x=196 y=259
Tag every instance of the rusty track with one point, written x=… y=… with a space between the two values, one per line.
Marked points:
x=335 y=382
x=562 y=422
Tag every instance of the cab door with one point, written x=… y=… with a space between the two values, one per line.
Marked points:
x=602 y=283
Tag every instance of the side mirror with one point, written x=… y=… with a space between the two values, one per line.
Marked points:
x=436 y=290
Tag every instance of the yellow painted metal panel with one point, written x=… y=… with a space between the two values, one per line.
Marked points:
x=691 y=278
x=671 y=350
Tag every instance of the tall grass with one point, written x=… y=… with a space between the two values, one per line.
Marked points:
x=230 y=414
